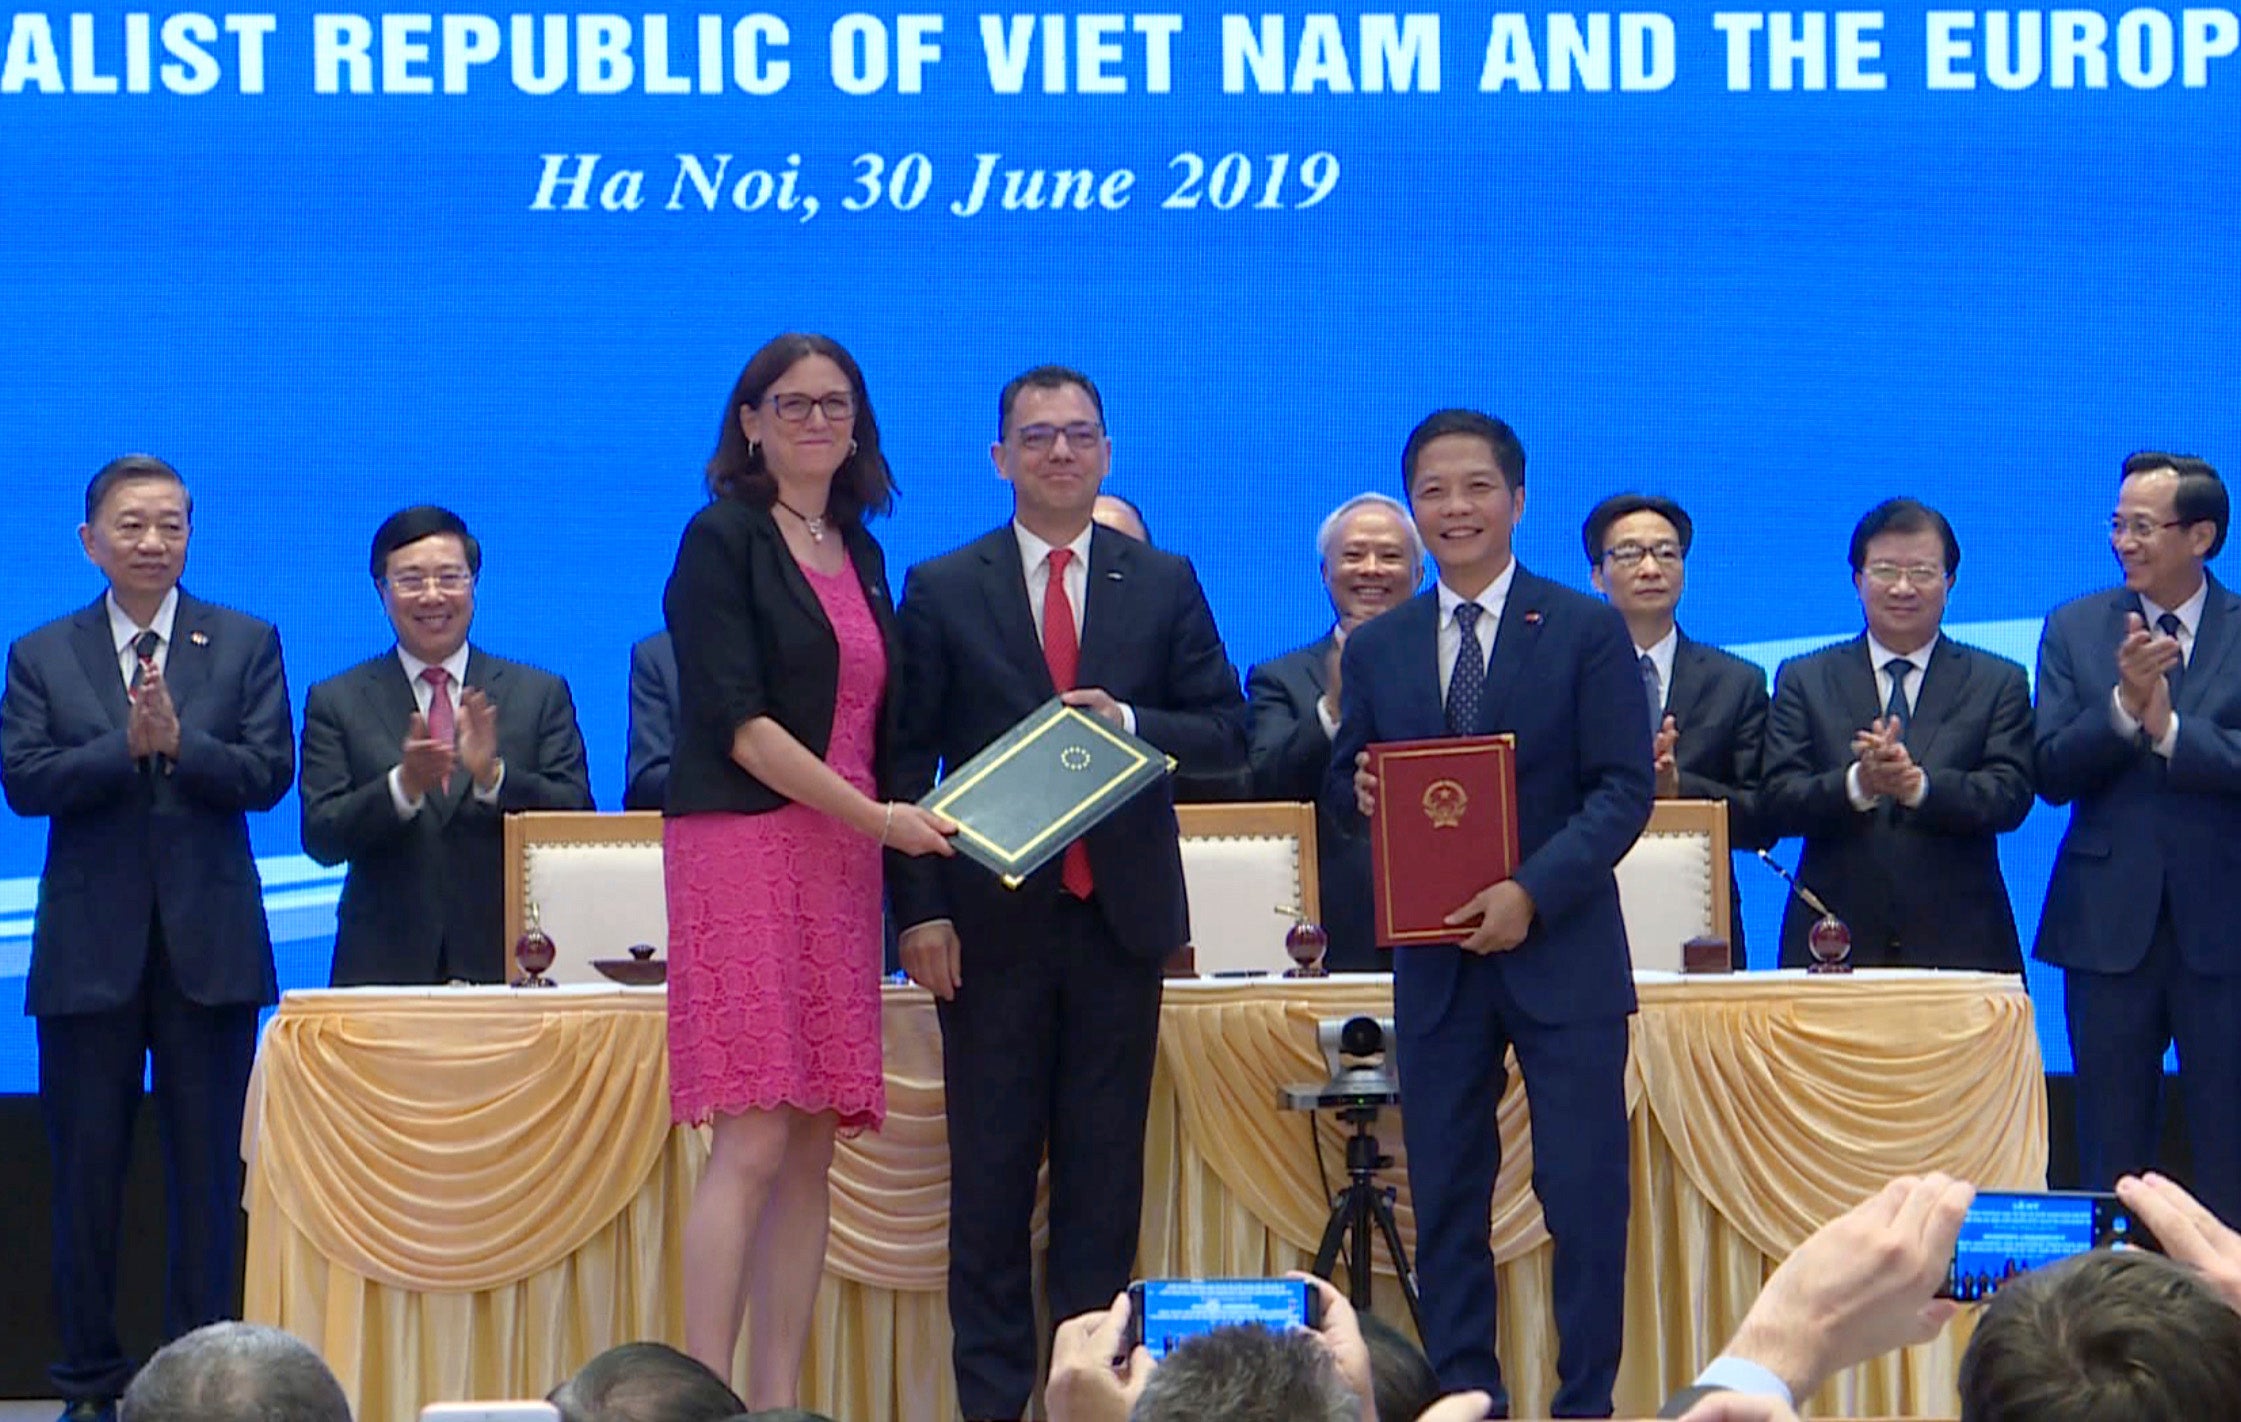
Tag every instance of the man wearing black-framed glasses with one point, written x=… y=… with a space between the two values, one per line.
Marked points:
x=1706 y=707
x=1901 y=756
x=412 y=758
x=2139 y=732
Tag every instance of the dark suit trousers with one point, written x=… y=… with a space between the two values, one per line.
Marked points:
x=1049 y=1040
x=2119 y=1025
x=90 y=1073
x=1452 y=1077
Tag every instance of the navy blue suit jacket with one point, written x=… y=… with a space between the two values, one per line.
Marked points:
x=2140 y=829
x=653 y=722
x=1291 y=756
x=1918 y=887
x=1564 y=681
x=125 y=845
x=437 y=880
x=973 y=668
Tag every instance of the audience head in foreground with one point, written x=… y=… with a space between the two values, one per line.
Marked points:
x=235 y=1372
x=2104 y=1337
x=645 y=1382
x=1244 y=1373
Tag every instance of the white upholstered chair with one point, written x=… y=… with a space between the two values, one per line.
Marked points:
x=1673 y=884
x=1246 y=867
x=595 y=882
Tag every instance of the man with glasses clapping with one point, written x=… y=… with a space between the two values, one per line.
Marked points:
x=411 y=760
x=1901 y=756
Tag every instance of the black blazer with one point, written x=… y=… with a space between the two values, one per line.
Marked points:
x=1719 y=702
x=975 y=667
x=1919 y=888
x=126 y=845
x=752 y=640
x=653 y=722
x=1290 y=755
x=436 y=882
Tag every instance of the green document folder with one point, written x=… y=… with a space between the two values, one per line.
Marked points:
x=1041 y=785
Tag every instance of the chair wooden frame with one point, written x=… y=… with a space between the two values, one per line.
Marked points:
x=526 y=829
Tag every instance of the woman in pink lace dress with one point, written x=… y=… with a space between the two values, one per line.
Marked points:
x=784 y=631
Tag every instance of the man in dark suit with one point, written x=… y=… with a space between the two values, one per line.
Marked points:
x=1901 y=756
x=143 y=729
x=1049 y=993
x=412 y=759
x=1708 y=707
x=653 y=722
x=1371 y=561
x=1540 y=961
x=2139 y=731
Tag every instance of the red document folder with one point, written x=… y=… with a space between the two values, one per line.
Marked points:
x=1445 y=828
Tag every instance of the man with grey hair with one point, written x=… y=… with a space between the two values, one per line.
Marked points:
x=1372 y=559
x=235 y=1372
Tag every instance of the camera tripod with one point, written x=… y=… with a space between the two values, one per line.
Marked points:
x=1362 y=1206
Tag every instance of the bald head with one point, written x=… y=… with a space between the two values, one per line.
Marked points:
x=235 y=1372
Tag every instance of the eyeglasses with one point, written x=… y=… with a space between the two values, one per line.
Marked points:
x=1921 y=575
x=2142 y=529
x=1041 y=437
x=794 y=409
x=1626 y=555
x=414 y=584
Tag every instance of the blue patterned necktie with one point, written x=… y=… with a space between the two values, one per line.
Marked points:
x=1652 y=689
x=1466 y=685
x=1897 y=669
x=2168 y=624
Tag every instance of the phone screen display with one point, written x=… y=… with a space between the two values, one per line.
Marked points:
x=2008 y=1234
x=1168 y=1311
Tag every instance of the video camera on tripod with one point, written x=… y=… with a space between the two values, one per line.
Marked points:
x=1364 y=1080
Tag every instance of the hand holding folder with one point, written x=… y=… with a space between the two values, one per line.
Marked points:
x=1443 y=842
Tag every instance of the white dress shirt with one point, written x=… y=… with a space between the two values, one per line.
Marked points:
x=1880 y=656
x=123 y=631
x=424 y=696
x=2189 y=614
x=1493 y=599
x=1034 y=561
x=1661 y=657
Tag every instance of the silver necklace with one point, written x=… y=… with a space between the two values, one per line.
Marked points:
x=815 y=523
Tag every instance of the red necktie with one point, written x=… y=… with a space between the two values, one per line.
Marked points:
x=1062 y=651
x=443 y=726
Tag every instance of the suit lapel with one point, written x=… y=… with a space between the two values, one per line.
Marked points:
x=1941 y=692
x=186 y=667
x=1514 y=641
x=1855 y=686
x=1004 y=587
x=2213 y=641
x=1688 y=681
x=1317 y=658
x=97 y=655
x=487 y=675
x=1112 y=558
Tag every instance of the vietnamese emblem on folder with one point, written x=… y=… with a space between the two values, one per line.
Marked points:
x=1042 y=785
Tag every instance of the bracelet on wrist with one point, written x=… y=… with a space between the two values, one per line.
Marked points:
x=887 y=825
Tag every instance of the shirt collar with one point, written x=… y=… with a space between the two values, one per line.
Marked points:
x=1879 y=655
x=1497 y=593
x=1033 y=550
x=456 y=664
x=122 y=629
x=2189 y=612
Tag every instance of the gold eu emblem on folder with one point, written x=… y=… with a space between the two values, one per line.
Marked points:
x=1041 y=785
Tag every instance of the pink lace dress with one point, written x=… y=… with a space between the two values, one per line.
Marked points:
x=774 y=929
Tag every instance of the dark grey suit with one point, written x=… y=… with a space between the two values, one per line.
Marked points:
x=653 y=722
x=150 y=939
x=424 y=899
x=1920 y=888
x=1719 y=703
x=1290 y=755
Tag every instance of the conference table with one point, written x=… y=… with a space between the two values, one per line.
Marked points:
x=466 y=1192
